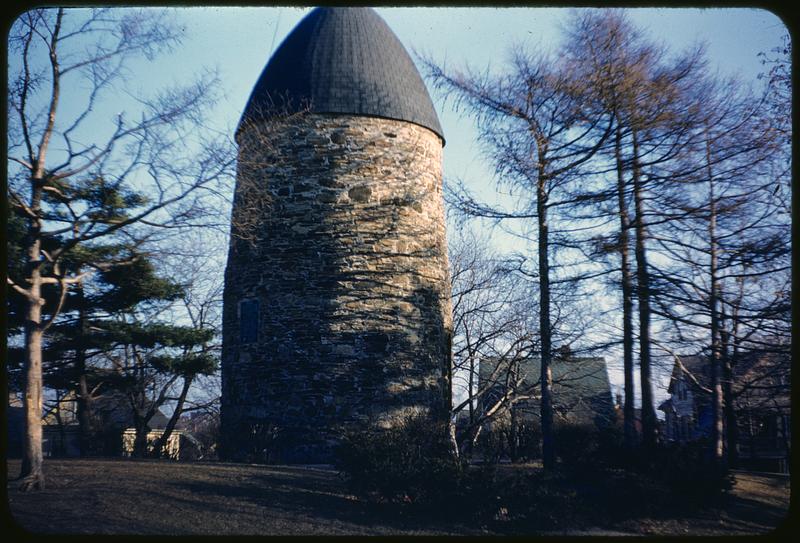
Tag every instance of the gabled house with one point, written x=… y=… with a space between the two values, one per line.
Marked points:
x=687 y=411
x=581 y=390
x=761 y=401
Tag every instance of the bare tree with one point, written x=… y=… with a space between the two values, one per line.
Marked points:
x=605 y=49
x=729 y=246
x=655 y=109
x=201 y=302
x=537 y=134
x=492 y=323
x=258 y=158
x=776 y=121
x=75 y=185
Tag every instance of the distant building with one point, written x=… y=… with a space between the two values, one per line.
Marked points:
x=59 y=432
x=581 y=389
x=15 y=420
x=181 y=445
x=761 y=390
x=113 y=434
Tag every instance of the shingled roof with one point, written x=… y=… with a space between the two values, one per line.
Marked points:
x=581 y=389
x=756 y=367
x=343 y=60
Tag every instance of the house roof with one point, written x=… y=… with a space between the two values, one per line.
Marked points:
x=342 y=60
x=748 y=366
x=690 y=367
x=580 y=385
x=666 y=405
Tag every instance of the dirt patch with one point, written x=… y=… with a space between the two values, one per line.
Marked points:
x=159 y=497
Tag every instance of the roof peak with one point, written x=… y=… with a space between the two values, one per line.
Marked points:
x=342 y=60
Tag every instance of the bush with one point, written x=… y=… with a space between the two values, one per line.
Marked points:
x=588 y=447
x=410 y=462
x=411 y=465
x=687 y=469
x=492 y=443
x=495 y=442
x=529 y=441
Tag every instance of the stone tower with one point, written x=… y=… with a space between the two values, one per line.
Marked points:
x=336 y=304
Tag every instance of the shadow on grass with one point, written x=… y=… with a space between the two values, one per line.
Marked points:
x=154 y=497
x=749 y=512
x=317 y=494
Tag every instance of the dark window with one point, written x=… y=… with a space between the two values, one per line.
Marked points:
x=248 y=321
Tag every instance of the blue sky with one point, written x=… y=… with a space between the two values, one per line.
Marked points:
x=238 y=42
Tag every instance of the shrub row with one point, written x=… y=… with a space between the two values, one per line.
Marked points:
x=412 y=464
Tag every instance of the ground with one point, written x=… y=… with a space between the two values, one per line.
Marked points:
x=115 y=496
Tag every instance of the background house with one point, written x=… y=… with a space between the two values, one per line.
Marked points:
x=181 y=445
x=112 y=425
x=581 y=389
x=761 y=393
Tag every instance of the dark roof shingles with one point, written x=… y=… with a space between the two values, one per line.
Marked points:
x=343 y=60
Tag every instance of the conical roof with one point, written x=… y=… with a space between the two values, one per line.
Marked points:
x=343 y=60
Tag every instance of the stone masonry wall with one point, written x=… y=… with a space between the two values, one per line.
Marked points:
x=347 y=258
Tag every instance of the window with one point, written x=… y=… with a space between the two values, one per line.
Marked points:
x=248 y=321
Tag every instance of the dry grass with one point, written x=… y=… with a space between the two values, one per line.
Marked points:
x=759 y=504
x=159 y=497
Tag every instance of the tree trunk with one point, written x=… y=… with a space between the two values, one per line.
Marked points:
x=629 y=412
x=140 y=439
x=84 y=400
x=469 y=443
x=713 y=302
x=451 y=435
x=59 y=449
x=513 y=438
x=731 y=420
x=84 y=415
x=471 y=392
x=546 y=378
x=32 y=457
x=161 y=443
x=643 y=296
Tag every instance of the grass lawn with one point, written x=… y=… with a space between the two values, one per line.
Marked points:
x=116 y=496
